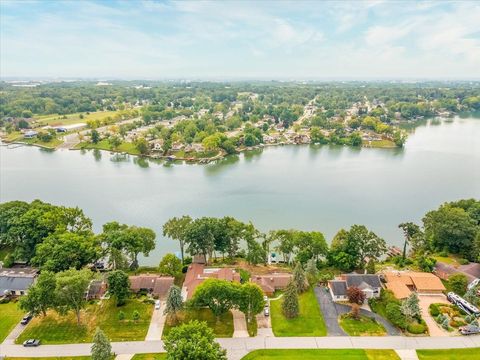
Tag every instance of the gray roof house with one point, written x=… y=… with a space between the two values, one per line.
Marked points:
x=16 y=281
x=370 y=284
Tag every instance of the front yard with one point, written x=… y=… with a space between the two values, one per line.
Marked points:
x=364 y=326
x=449 y=354
x=56 y=329
x=309 y=323
x=322 y=354
x=222 y=327
x=10 y=317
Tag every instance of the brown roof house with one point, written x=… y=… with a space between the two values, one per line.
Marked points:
x=198 y=273
x=96 y=290
x=154 y=284
x=402 y=284
x=471 y=270
x=271 y=282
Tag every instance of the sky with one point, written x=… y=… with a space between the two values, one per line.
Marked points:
x=240 y=39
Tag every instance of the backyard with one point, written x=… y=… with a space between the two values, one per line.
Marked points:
x=11 y=316
x=309 y=323
x=223 y=327
x=322 y=354
x=56 y=329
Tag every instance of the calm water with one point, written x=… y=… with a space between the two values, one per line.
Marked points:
x=304 y=187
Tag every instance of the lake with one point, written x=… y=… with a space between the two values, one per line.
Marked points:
x=323 y=188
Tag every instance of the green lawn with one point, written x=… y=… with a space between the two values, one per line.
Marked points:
x=105 y=145
x=322 y=354
x=56 y=329
x=51 y=358
x=365 y=326
x=158 y=356
x=308 y=323
x=449 y=354
x=222 y=328
x=10 y=316
x=50 y=144
x=56 y=120
x=385 y=144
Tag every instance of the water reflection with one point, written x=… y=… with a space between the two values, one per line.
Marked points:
x=141 y=161
x=97 y=155
x=221 y=165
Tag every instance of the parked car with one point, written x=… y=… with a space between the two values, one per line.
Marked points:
x=266 y=311
x=26 y=319
x=469 y=330
x=31 y=343
x=265 y=298
x=157 y=304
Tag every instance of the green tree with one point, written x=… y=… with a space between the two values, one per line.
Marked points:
x=115 y=141
x=312 y=271
x=174 y=301
x=200 y=237
x=142 y=146
x=218 y=295
x=70 y=291
x=193 y=341
x=175 y=228
x=119 y=286
x=95 y=136
x=458 y=283
x=170 y=265
x=41 y=295
x=299 y=278
x=410 y=230
x=135 y=315
x=410 y=307
x=290 y=306
x=371 y=267
x=250 y=300
x=101 y=348
x=472 y=297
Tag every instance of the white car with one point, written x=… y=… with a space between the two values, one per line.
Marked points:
x=266 y=311
x=157 y=304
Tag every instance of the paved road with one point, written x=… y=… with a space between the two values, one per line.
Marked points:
x=237 y=346
x=332 y=310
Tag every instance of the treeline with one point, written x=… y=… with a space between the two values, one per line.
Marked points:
x=57 y=238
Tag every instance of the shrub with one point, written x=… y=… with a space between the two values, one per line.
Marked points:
x=456 y=323
x=8 y=261
x=244 y=276
x=463 y=262
x=445 y=324
x=444 y=253
x=148 y=301
x=394 y=314
x=136 y=315
x=416 y=328
x=121 y=315
x=433 y=309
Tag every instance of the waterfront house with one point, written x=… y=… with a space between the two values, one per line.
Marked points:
x=370 y=285
x=96 y=290
x=30 y=134
x=16 y=281
x=153 y=284
x=471 y=270
x=403 y=283
x=269 y=283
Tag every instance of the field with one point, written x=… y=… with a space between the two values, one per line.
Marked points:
x=10 y=317
x=322 y=354
x=365 y=326
x=449 y=354
x=55 y=329
x=221 y=328
x=56 y=119
x=308 y=323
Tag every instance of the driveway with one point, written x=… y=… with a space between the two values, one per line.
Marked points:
x=264 y=326
x=332 y=310
x=157 y=322
x=239 y=324
x=424 y=301
x=329 y=311
x=17 y=330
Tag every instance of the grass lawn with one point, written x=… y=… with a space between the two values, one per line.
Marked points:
x=105 y=145
x=365 y=326
x=380 y=144
x=308 y=323
x=50 y=144
x=221 y=328
x=449 y=354
x=322 y=354
x=56 y=120
x=158 y=356
x=51 y=358
x=56 y=329
x=10 y=317
x=14 y=135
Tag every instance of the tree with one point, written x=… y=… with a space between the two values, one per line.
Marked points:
x=309 y=244
x=355 y=295
x=286 y=243
x=175 y=228
x=409 y=231
x=200 y=237
x=193 y=341
x=41 y=295
x=170 y=265
x=299 y=278
x=142 y=146
x=458 y=283
x=135 y=315
x=174 y=301
x=472 y=297
x=371 y=267
x=250 y=300
x=410 y=307
x=101 y=348
x=119 y=286
x=312 y=271
x=355 y=312
x=218 y=295
x=70 y=291
x=95 y=136
x=115 y=141
x=427 y=264
x=61 y=251
x=290 y=306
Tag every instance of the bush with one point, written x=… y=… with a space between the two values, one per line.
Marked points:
x=433 y=309
x=463 y=262
x=244 y=276
x=136 y=315
x=416 y=328
x=148 y=301
x=121 y=315
x=8 y=261
x=394 y=314
x=444 y=253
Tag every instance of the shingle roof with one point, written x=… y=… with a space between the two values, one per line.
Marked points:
x=158 y=285
x=399 y=289
x=16 y=279
x=339 y=287
x=357 y=280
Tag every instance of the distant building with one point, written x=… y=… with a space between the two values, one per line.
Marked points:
x=30 y=134
x=96 y=290
x=154 y=284
x=17 y=280
x=269 y=283
x=471 y=270
x=370 y=285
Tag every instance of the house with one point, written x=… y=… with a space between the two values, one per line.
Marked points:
x=402 y=284
x=154 y=284
x=156 y=144
x=471 y=270
x=96 y=290
x=17 y=280
x=198 y=273
x=370 y=284
x=271 y=282
x=30 y=134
